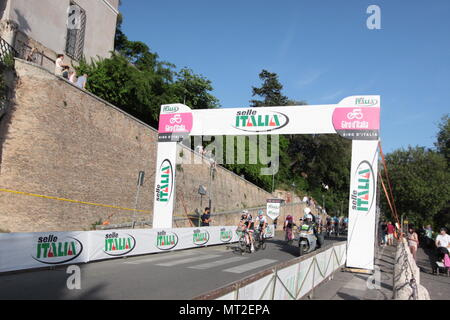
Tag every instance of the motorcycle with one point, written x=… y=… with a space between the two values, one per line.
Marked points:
x=307 y=241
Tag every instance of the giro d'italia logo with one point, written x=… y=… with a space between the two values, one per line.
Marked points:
x=119 y=244
x=52 y=250
x=226 y=235
x=364 y=194
x=166 y=240
x=165 y=185
x=252 y=120
x=200 y=237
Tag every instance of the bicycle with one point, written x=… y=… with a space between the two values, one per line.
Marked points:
x=260 y=242
x=244 y=245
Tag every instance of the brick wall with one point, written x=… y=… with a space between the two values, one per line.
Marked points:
x=60 y=141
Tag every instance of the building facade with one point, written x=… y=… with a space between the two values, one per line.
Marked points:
x=76 y=28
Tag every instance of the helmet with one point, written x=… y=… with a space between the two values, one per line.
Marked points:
x=245 y=211
x=308 y=216
x=260 y=212
x=289 y=217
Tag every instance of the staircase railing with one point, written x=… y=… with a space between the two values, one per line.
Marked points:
x=7 y=52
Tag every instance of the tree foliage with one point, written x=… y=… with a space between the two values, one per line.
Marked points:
x=138 y=82
x=419 y=179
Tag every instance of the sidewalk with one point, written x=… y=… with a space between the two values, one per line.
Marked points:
x=354 y=286
x=438 y=286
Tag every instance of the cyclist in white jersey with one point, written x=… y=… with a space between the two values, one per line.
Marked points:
x=261 y=222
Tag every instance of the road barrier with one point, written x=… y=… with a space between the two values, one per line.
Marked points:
x=19 y=251
x=290 y=280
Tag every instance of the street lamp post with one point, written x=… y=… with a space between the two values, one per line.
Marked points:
x=140 y=182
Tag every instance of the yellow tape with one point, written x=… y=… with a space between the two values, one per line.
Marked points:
x=77 y=201
x=70 y=200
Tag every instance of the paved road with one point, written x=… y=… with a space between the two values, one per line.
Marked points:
x=174 y=275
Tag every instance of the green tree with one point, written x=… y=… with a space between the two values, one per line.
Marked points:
x=443 y=137
x=419 y=179
x=270 y=91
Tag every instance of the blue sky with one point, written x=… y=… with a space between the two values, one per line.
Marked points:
x=321 y=50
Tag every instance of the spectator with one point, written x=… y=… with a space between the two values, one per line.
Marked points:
x=59 y=65
x=413 y=241
x=428 y=235
x=206 y=218
x=384 y=232
x=73 y=76
x=81 y=82
x=65 y=72
x=442 y=243
x=199 y=149
x=306 y=200
x=30 y=55
x=275 y=221
x=381 y=233
x=390 y=234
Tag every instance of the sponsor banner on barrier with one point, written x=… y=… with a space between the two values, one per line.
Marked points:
x=42 y=249
x=257 y=290
x=285 y=288
x=34 y=250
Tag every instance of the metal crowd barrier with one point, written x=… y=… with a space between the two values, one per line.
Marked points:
x=291 y=280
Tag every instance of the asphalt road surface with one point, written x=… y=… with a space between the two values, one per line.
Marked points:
x=174 y=275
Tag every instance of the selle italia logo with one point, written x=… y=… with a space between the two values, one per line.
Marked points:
x=200 y=237
x=366 y=102
x=364 y=195
x=252 y=120
x=119 y=244
x=164 y=187
x=226 y=235
x=170 y=109
x=52 y=250
x=166 y=240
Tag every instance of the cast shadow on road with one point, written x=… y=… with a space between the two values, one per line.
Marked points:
x=292 y=249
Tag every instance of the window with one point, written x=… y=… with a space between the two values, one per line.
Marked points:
x=75 y=31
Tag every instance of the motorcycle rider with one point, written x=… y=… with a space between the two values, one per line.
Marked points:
x=311 y=221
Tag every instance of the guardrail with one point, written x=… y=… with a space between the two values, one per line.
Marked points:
x=290 y=280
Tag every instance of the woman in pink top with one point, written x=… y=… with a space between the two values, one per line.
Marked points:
x=413 y=242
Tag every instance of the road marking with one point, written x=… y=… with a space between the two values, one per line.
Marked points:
x=249 y=266
x=162 y=256
x=193 y=259
x=217 y=263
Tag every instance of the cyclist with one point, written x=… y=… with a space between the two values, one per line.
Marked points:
x=288 y=227
x=328 y=225
x=247 y=225
x=261 y=221
x=336 y=225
